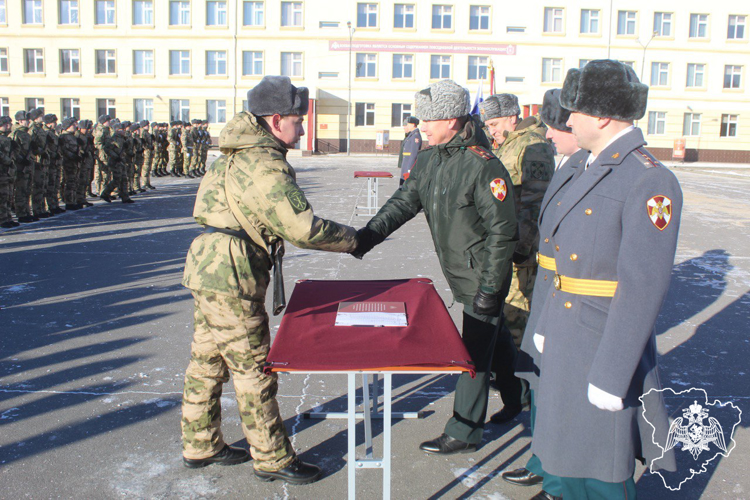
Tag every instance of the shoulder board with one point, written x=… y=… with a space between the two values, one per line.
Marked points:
x=648 y=159
x=428 y=148
x=481 y=152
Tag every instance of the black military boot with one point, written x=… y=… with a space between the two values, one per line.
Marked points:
x=227 y=456
x=298 y=472
x=26 y=218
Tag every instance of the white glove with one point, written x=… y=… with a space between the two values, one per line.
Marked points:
x=604 y=400
x=538 y=342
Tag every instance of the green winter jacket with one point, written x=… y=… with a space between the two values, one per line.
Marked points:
x=467 y=197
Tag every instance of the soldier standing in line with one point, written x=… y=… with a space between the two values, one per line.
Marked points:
x=86 y=170
x=71 y=154
x=522 y=147
x=410 y=147
x=136 y=134
x=173 y=150
x=206 y=145
x=249 y=204
x=186 y=139
x=164 y=141
x=54 y=171
x=24 y=168
x=41 y=163
x=102 y=134
x=197 y=148
x=147 y=141
x=127 y=155
x=527 y=366
x=7 y=173
x=614 y=239
x=116 y=169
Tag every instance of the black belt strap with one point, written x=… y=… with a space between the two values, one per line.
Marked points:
x=231 y=232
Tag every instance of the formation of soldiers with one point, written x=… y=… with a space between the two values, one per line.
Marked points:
x=47 y=168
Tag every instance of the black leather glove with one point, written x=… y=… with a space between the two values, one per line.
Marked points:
x=519 y=258
x=487 y=304
x=366 y=241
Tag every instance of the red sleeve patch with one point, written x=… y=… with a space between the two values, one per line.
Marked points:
x=659 y=211
x=499 y=189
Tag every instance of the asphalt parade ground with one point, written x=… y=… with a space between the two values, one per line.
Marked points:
x=95 y=333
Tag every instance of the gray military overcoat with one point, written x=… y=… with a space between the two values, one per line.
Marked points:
x=409 y=149
x=618 y=221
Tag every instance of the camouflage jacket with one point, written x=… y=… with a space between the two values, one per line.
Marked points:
x=173 y=138
x=52 y=147
x=264 y=187
x=115 y=149
x=102 y=136
x=187 y=138
x=22 y=150
x=69 y=148
x=7 y=170
x=147 y=140
x=530 y=161
x=38 y=141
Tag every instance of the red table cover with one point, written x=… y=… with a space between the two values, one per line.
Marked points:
x=372 y=173
x=307 y=339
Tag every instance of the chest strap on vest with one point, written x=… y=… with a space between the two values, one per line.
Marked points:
x=231 y=232
x=545 y=262
x=578 y=286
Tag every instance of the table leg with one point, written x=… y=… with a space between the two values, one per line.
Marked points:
x=387 y=436
x=352 y=437
x=367 y=413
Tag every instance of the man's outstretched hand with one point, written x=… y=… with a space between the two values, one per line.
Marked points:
x=366 y=241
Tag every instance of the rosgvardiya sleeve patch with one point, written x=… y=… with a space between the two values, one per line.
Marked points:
x=659 y=211
x=499 y=188
x=297 y=199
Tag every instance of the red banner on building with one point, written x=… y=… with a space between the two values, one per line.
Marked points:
x=432 y=47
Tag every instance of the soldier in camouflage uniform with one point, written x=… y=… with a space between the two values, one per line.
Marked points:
x=161 y=148
x=86 y=171
x=7 y=173
x=115 y=169
x=102 y=134
x=186 y=138
x=24 y=167
x=174 y=149
x=147 y=141
x=530 y=159
x=41 y=162
x=249 y=204
x=54 y=171
x=71 y=153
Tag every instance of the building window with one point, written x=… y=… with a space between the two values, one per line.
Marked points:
x=252 y=14
x=728 y=126
x=551 y=70
x=366 y=66
x=403 y=66
x=736 y=29
x=106 y=107
x=179 y=109
x=4 y=106
x=291 y=13
x=478 y=67
x=403 y=15
x=698 y=25
x=179 y=62
x=732 y=77
x=589 y=21
x=553 y=20
x=216 y=13
x=70 y=61
x=105 y=13
x=399 y=113
x=691 y=125
x=695 y=74
x=440 y=67
x=252 y=63
x=663 y=23
x=629 y=63
x=659 y=74
x=143 y=109
x=105 y=62
x=70 y=107
x=442 y=17
x=657 y=122
x=216 y=111
x=328 y=75
x=364 y=115
x=68 y=11
x=34 y=102
x=33 y=60
x=626 y=22
x=3 y=60
x=143 y=13
x=32 y=12
x=143 y=62
x=179 y=13
x=291 y=64
x=583 y=62
x=367 y=15
x=216 y=62
x=479 y=18
x=3 y=18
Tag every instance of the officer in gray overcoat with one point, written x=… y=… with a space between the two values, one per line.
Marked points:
x=410 y=146
x=613 y=238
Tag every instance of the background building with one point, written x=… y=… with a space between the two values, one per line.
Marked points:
x=169 y=59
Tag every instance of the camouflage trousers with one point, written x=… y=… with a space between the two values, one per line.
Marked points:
x=232 y=336
x=72 y=178
x=146 y=168
x=38 y=187
x=175 y=162
x=117 y=180
x=22 y=196
x=54 y=183
x=6 y=191
x=187 y=160
x=518 y=302
x=85 y=175
x=101 y=176
x=204 y=156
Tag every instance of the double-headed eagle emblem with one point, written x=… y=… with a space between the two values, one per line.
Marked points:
x=695 y=436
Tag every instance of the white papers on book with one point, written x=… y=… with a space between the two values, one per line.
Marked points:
x=371 y=314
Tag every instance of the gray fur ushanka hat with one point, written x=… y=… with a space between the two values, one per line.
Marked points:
x=499 y=106
x=276 y=95
x=553 y=114
x=442 y=100
x=606 y=89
